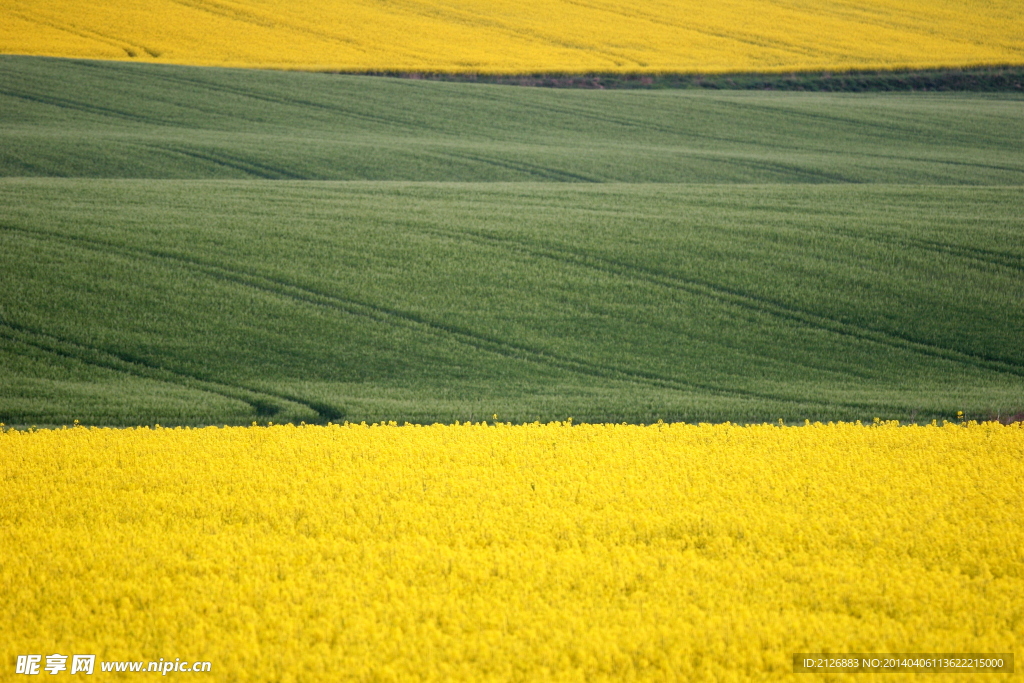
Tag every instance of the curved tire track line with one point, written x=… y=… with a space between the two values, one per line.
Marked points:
x=867 y=129
x=247 y=17
x=792 y=172
x=394 y=317
x=902 y=129
x=685 y=133
x=226 y=12
x=732 y=347
x=88 y=34
x=572 y=112
x=755 y=40
x=252 y=168
x=943 y=162
x=411 y=126
x=986 y=256
x=534 y=170
x=761 y=305
x=476 y=20
x=85 y=107
x=46 y=96
x=264 y=403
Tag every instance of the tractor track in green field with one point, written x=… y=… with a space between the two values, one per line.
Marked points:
x=392 y=317
x=253 y=168
x=798 y=173
x=265 y=403
x=577 y=112
x=986 y=256
x=869 y=128
x=992 y=258
x=411 y=126
x=542 y=172
x=584 y=259
x=64 y=103
x=954 y=162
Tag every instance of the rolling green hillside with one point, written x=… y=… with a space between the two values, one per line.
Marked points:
x=113 y=120
x=728 y=268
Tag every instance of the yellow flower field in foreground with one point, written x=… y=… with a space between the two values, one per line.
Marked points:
x=499 y=552
x=517 y=36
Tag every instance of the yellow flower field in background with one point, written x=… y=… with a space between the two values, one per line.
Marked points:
x=499 y=552
x=519 y=36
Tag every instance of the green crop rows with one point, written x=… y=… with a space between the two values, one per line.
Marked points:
x=207 y=246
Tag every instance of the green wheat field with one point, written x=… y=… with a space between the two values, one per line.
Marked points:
x=211 y=246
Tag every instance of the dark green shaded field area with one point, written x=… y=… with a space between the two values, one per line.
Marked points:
x=196 y=246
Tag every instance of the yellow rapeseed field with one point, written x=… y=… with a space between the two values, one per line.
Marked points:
x=517 y=36
x=498 y=552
